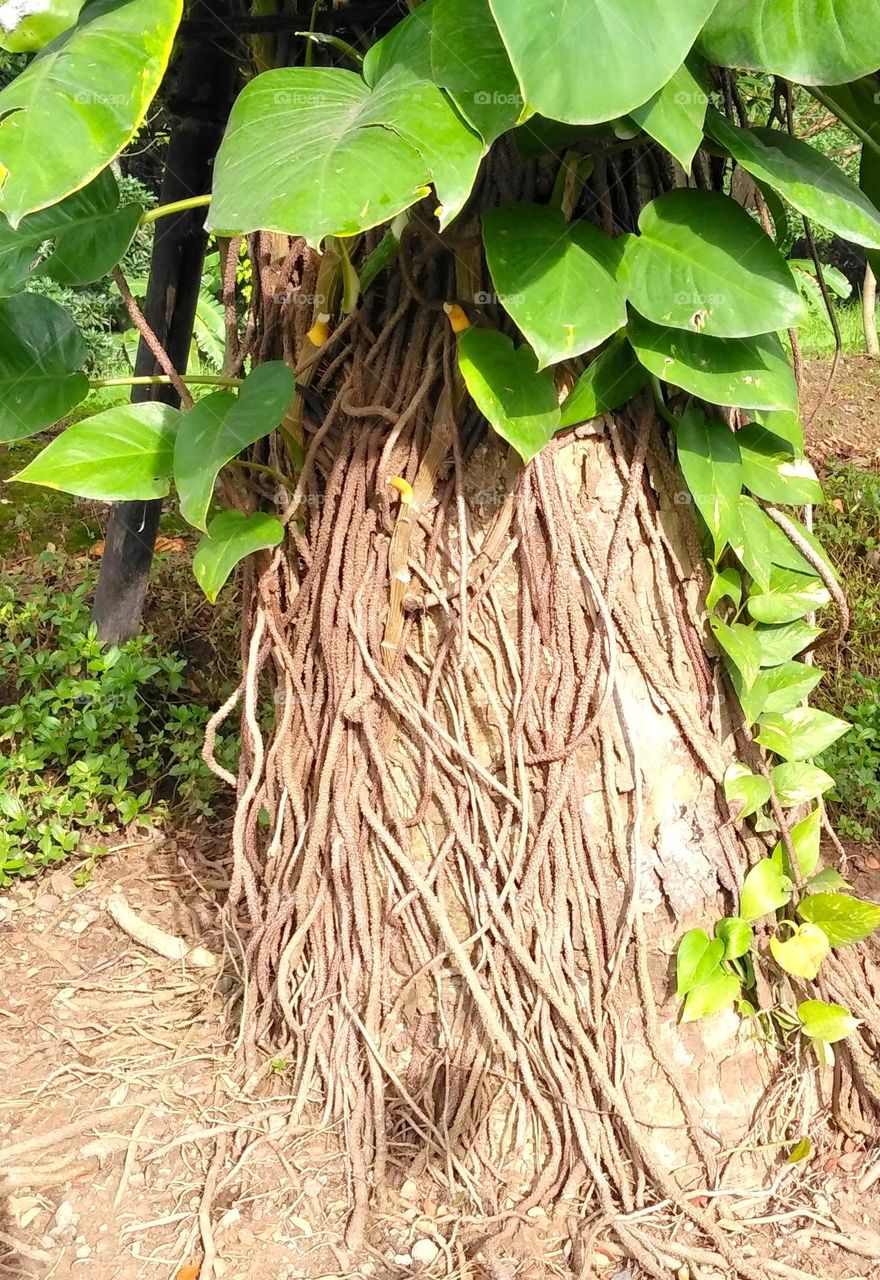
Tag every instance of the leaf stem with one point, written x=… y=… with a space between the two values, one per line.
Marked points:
x=161 y=380
x=846 y=119
x=177 y=206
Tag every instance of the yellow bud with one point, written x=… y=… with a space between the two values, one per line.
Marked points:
x=320 y=331
x=457 y=317
x=403 y=487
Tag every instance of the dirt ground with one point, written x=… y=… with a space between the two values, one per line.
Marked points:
x=123 y=1097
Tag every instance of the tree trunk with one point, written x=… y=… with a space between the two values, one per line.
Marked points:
x=869 y=311
x=472 y=834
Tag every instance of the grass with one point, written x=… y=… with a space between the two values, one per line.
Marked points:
x=817 y=336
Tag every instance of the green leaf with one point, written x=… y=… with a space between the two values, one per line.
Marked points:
x=765 y=889
x=315 y=152
x=779 y=644
x=741 y=645
x=750 y=540
x=34 y=24
x=801 y=954
x=231 y=537
x=845 y=920
x=789 y=596
x=80 y=101
x=554 y=278
x=41 y=353
x=219 y=427
x=674 y=116
x=611 y=380
x=802 y=1151
x=631 y=48
x=800 y=734
x=808 y=41
x=745 y=792
x=749 y=373
x=827 y=878
x=711 y=997
x=456 y=44
x=90 y=231
x=123 y=454
x=737 y=936
x=696 y=960
x=704 y=265
x=826 y=1022
x=781 y=688
x=517 y=400
x=805 y=838
x=772 y=471
x=726 y=585
x=784 y=423
x=708 y=456
x=807 y=179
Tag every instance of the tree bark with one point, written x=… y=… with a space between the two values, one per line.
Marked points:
x=869 y=311
x=205 y=85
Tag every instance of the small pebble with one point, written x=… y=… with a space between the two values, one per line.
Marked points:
x=47 y=902
x=424 y=1252
x=402 y=1260
x=83 y=1251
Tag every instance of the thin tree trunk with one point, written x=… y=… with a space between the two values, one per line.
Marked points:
x=869 y=311
x=205 y=88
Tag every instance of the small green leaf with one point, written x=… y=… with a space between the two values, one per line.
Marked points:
x=709 y=459
x=765 y=889
x=797 y=783
x=696 y=960
x=81 y=99
x=737 y=936
x=726 y=585
x=772 y=471
x=746 y=792
x=826 y=1022
x=807 y=179
x=805 y=837
x=231 y=537
x=674 y=116
x=800 y=734
x=748 y=373
x=788 y=596
x=827 y=878
x=742 y=646
x=780 y=688
x=713 y=996
x=846 y=920
x=611 y=380
x=219 y=427
x=517 y=400
x=801 y=954
x=41 y=353
x=555 y=279
x=704 y=265
x=802 y=1151
x=779 y=644
x=123 y=454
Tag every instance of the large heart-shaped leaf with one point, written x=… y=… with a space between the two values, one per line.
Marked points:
x=787 y=597
x=808 y=180
x=771 y=469
x=709 y=459
x=27 y=25
x=802 y=953
x=737 y=936
x=844 y=919
x=90 y=233
x=765 y=889
x=696 y=960
x=808 y=41
x=556 y=279
x=750 y=373
x=125 y=453
x=515 y=398
x=611 y=380
x=805 y=838
x=221 y=426
x=231 y=536
x=41 y=354
x=780 y=688
x=585 y=61
x=702 y=264
x=81 y=99
x=797 y=783
x=742 y=646
x=711 y=997
x=744 y=791
x=674 y=116
x=316 y=152
x=766 y=545
x=828 y=1022
x=779 y=644
x=800 y=734
x=456 y=44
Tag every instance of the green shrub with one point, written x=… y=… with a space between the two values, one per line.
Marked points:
x=91 y=738
x=854 y=763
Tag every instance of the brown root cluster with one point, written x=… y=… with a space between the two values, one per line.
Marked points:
x=437 y=921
